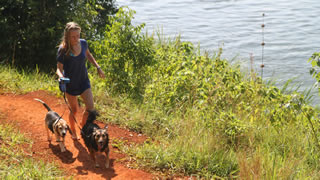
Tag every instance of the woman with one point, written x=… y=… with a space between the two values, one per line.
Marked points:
x=72 y=55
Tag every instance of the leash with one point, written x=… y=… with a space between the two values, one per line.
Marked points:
x=65 y=100
x=63 y=88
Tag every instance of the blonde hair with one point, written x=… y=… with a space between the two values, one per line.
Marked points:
x=65 y=41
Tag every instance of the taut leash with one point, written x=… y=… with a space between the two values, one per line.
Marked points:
x=62 y=86
x=74 y=117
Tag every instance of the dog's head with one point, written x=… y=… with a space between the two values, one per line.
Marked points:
x=101 y=137
x=61 y=127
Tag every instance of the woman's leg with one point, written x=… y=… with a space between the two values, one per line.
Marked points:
x=73 y=102
x=88 y=101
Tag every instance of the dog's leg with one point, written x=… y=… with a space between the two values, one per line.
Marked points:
x=107 y=156
x=61 y=143
x=48 y=133
x=93 y=156
x=62 y=146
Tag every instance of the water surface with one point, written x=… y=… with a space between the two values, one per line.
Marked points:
x=291 y=33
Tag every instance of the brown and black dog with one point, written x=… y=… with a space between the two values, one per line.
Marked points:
x=96 y=139
x=56 y=125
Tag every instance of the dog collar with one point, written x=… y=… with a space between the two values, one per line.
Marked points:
x=56 y=122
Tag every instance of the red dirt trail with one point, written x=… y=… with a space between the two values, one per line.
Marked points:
x=29 y=114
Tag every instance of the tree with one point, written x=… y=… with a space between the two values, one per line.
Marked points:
x=30 y=30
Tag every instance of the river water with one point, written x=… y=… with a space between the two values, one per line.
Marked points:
x=291 y=33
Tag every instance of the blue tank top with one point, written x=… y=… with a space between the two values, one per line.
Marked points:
x=74 y=67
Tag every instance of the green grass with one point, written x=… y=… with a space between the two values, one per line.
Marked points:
x=23 y=81
x=15 y=157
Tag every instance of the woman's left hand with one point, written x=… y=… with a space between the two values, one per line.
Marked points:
x=101 y=73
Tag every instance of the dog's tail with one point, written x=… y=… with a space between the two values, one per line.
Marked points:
x=92 y=116
x=44 y=104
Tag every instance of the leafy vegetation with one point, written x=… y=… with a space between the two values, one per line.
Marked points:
x=126 y=54
x=205 y=117
x=315 y=63
x=31 y=29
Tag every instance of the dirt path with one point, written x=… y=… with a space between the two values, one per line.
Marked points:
x=29 y=115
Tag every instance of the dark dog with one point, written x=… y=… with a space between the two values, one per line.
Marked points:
x=57 y=126
x=95 y=138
